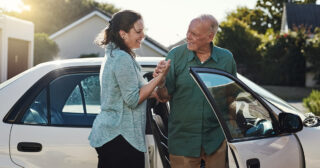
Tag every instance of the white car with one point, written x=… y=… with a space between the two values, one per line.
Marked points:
x=47 y=113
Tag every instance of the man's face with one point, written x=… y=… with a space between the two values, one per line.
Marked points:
x=198 y=35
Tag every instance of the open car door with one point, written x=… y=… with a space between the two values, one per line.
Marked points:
x=157 y=120
x=253 y=132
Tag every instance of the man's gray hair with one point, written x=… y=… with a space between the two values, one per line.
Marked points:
x=214 y=24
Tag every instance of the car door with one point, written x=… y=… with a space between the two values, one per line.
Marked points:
x=53 y=120
x=250 y=126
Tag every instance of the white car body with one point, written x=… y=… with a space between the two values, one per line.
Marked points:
x=67 y=146
x=70 y=143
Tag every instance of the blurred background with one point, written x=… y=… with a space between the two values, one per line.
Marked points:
x=276 y=43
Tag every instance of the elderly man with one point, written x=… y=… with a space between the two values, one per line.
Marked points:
x=194 y=132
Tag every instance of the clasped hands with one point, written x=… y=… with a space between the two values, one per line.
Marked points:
x=161 y=71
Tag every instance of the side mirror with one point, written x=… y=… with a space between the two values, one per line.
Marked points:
x=289 y=123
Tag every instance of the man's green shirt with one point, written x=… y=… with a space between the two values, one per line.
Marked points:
x=192 y=124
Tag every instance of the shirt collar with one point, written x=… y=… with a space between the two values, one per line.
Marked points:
x=214 y=56
x=111 y=46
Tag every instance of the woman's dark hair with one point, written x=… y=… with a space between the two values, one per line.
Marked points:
x=123 y=20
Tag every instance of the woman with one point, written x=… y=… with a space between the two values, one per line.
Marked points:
x=118 y=132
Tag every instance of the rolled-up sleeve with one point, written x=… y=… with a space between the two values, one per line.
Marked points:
x=126 y=76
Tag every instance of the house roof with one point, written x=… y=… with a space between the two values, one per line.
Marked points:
x=303 y=14
x=106 y=16
x=182 y=41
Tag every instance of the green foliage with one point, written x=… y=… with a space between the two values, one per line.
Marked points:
x=312 y=54
x=45 y=49
x=274 y=10
x=236 y=36
x=312 y=102
x=92 y=55
x=50 y=16
x=283 y=58
x=255 y=18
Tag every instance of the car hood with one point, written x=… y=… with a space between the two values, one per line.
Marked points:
x=310 y=138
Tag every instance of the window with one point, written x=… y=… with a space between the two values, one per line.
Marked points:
x=244 y=115
x=37 y=112
x=91 y=93
x=74 y=100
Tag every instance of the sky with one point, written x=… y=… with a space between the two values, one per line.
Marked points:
x=167 y=21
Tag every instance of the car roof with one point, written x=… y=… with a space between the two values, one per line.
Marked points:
x=47 y=67
x=97 y=61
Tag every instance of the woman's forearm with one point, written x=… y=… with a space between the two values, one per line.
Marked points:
x=146 y=90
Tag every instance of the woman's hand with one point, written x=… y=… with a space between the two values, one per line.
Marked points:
x=162 y=67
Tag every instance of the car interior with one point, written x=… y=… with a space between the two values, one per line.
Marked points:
x=60 y=91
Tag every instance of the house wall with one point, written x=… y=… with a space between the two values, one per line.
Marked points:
x=147 y=51
x=14 y=28
x=1 y=52
x=79 y=40
x=310 y=82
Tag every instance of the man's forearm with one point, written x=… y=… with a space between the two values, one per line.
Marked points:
x=163 y=93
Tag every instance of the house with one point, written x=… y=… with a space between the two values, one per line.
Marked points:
x=16 y=46
x=77 y=38
x=307 y=15
x=182 y=41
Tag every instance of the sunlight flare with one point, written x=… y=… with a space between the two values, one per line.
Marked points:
x=14 y=5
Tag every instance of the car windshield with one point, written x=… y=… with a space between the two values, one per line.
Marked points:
x=276 y=101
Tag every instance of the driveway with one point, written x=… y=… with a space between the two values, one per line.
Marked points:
x=299 y=106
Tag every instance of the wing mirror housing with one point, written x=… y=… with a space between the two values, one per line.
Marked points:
x=289 y=123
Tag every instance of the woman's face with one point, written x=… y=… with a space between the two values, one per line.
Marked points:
x=135 y=35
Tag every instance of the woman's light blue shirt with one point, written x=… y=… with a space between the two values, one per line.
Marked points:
x=120 y=81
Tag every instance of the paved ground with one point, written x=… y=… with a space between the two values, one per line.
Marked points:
x=299 y=106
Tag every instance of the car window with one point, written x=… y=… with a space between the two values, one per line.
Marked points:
x=74 y=100
x=276 y=101
x=91 y=93
x=244 y=115
x=37 y=112
x=74 y=103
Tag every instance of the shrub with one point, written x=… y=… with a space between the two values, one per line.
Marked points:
x=45 y=49
x=312 y=102
x=236 y=36
x=283 y=59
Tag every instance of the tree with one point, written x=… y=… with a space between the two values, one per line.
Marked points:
x=274 y=10
x=45 y=49
x=236 y=36
x=50 y=16
x=256 y=19
x=283 y=58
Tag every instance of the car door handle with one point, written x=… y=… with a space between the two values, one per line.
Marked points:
x=253 y=163
x=29 y=147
